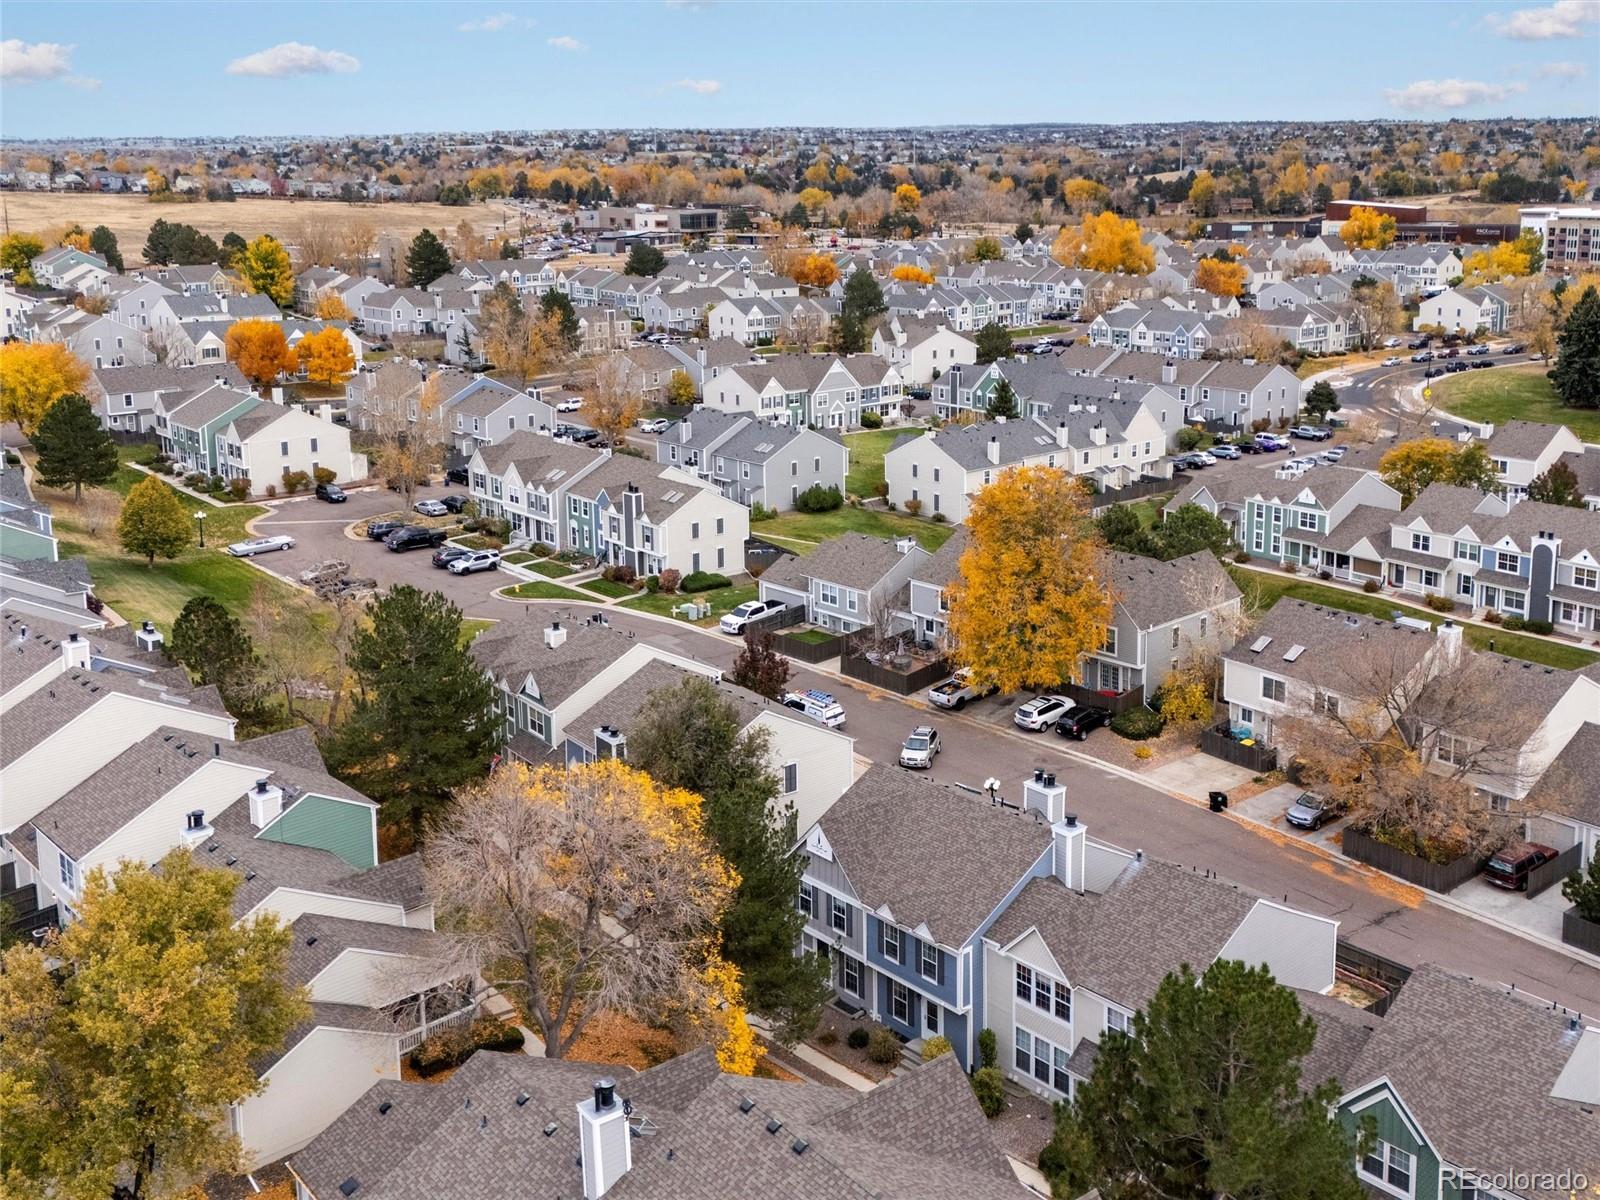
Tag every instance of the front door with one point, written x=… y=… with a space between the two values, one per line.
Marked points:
x=930 y=1019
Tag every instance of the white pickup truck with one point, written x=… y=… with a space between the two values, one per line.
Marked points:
x=956 y=691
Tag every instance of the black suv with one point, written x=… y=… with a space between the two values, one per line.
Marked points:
x=378 y=530
x=414 y=537
x=1080 y=720
x=456 y=475
x=331 y=492
x=455 y=503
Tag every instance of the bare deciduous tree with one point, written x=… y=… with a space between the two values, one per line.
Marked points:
x=407 y=420
x=579 y=892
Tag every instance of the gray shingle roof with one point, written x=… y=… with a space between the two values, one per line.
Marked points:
x=160 y=378
x=319 y=939
x=1331 y=639
x=37 y=716
x=1521 y=439
x=1571 y=783
x=1155 y=593
x=942 y=568
x=852 y=560
x=512 y=651
x=892 y=833
x=619 y=708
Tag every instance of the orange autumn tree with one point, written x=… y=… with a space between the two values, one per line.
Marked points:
x=910 y=273
x=259 y=350
x=331 y=307
x=816 y=270
x=1367 y=229
x=325 y=356
x=1104 y=242
x=1218 y=277
x=1031 y=595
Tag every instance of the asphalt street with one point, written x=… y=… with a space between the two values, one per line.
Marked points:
x=1374 y=913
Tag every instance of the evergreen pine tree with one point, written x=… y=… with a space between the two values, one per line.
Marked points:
x=1003 y=402
x=73 y=449
x=104 y=243
x=213 y=645
x=993 y=342
x=427 y=259
x=1576 y=375
x=644 y=259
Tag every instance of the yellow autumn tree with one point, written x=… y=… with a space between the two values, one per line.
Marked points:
x=1084 y=195
x=325 y=356
x=816 y=270
x=738 y=1052
x=1218 y=277
x=33 y=376
x=1367 y=229
x=1031 y=594
x=910 y=273
x=813 y=199
x=330 y=306
x=1104 y=242
x=1203 y=194
x=1502 y=260
x=265 y=268
x=907 y=198
x=259 y=350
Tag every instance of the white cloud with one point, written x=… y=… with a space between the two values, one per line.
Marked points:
x=1450 y=93
x=492 y=24
x=294 y=58
x=1561 y=70
x=565 y=43
x=1563 y=19
x=30 y=62
x=702 y=87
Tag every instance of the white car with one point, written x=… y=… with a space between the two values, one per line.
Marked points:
x=653 y=425
x=1332 y=454
x=1041 y=712
x=819 y=706
x=1389 y=343
x=478 y=560
x=1391 y=362
x=570 y=405
x=1206 y=457
x=261 y=545
x=751 y=610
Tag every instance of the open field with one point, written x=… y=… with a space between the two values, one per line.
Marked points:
x=130 y=217
x=1513 y=394
x=817 y=527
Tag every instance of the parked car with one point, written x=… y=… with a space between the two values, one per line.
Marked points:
x=736 y=621
x=1204 y=457
x=430 y=508
x=920 y=747
x=1311 y=811
x=653 y=425
x=1041 y=712
x=475 y=560
x=445 y=555
x=956 y=691
x=1080 y=720
x=1425 y=356
x=378 y=530
x=1481 y=363
x=261 y=545
x=331 y=492
x=1247 y=447
x=1271 y=441
x=1389 y=343
x=1224 y=450
x=1181 y=463
x=1391 y=362
x=1332 y=454
x=1515 y=348
x=457 y=475
x=414 y=537
x=1432 y=372
x=1476 y=351
x=571 y=404
x=1510 y=865
x=1191 y=462
x=1310 y=433
x=456 y=504
x=821 y=707
x=1455 y=368
x=1420 y=344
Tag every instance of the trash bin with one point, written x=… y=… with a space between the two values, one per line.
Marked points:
x=1219 y=801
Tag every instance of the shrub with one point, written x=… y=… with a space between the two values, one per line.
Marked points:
x=272 y=490
x=704 y=581
x=1243 y=556
x=1493 y=618
x=620 y=574
x=871 y=420
x=216 y=483
x=1137 y=724
x=914 y=506
x=239 y=488
x=1290 y=569
x=195 y=479
x=1582 y=888
x=990 y=1091
x=1370 y=586
x=939 y=518
x=652 y=584
x=1141 y=752
x=1324 y=575
x=670 y=580
x=988 y=1048
x=323 y=474
x=760 y=512
x=1440 y=603
x=96 y=605
x=857 y=1038
x=883 y=1047
x=827 y=1037
x=1188 y=438
x=294 y=481
x=1538 y=626
x=1514 y=623
x=454 y=1046
x=818 y=499
x=539 y=550
x=934 y=1047
x=881 y=489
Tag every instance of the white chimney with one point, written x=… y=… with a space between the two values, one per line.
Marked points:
x=610 y=742
x=277 y=395
x=554 y=636
x=1169 y=372
x=905 y=545
x=993 y=450
x=1069 y=838
x=1449 y=635
x=1097 y=435
x=1043 y=795
x=147 y=637
x=195 y=829
x=75 y=651
x=604 y=1144
x=1061 y=432
x=266 y=803
x=325 y=412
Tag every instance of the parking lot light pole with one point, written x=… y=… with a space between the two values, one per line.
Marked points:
x=200 y=522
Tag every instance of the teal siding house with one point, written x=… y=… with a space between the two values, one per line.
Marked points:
x=190 y=423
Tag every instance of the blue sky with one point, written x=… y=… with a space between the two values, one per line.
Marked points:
x=72 y=68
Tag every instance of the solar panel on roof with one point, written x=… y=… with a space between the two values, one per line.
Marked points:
x=1260 y=644
x=1295 y=652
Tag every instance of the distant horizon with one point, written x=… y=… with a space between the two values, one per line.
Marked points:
x=430 y=67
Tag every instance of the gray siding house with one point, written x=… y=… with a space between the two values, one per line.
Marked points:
x=753 y=461
x=848 y=582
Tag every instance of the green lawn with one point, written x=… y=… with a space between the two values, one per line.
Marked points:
x=607 y=587
x=721 y=600
x=517 y=557
x=812 y=636
x=1512 y=393
x=471 y=627
x=1148 y=509
x=1028 y=331
x=1266 y=590
x=816 y=527
x=866 y=459
x=550 y=570
x=544 y=591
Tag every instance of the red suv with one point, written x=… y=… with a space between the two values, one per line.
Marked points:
x=1510 y=865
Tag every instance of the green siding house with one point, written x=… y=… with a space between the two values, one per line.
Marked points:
x=341 y=827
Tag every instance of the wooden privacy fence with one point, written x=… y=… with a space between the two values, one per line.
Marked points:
x=1436 y=877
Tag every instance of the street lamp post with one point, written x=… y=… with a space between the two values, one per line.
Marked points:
x=200 y=521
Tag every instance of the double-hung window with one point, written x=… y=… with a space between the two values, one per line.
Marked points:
x=808 y=900
x=900 y=1002
x=69 y=873
x=850 y=974
x=838 y=917
x=891 y=942
x=1116 y=1020
x=1389 y=1165
x=1024 y=982
x=928 y=961
x=1273 y=689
